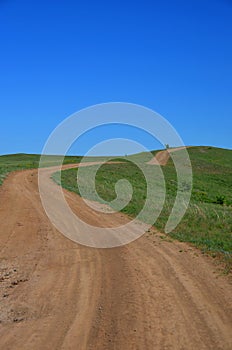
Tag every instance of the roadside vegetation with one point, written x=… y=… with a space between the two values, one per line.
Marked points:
x=208 y=221
x=13 y=162
x=23 y=161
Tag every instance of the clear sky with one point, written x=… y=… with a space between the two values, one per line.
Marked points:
x=173 y=56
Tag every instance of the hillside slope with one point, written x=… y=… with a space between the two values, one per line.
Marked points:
x=208 y=220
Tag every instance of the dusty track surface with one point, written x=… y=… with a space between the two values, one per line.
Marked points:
x=56 y=294
x=162 y=157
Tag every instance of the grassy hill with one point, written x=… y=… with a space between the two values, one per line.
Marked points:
x=208 y=221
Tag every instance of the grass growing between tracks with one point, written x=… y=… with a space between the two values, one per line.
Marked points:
x=207 y=222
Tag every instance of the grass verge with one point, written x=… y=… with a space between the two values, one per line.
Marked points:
x=14 y=162
x=207 y=223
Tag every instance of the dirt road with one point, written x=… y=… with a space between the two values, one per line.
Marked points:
x=56 y=294
x=162 y=157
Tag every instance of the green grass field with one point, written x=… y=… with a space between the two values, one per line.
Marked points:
x=22 y=161
x=13 y=162
x=208 y=221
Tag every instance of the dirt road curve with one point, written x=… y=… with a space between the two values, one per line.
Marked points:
x=56 y=294
x=162 y=157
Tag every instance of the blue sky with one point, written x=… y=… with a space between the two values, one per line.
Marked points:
x=58 y=57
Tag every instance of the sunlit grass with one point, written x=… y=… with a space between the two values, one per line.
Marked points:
x=207 y=222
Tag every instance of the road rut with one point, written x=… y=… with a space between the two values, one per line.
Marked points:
x=153 y=293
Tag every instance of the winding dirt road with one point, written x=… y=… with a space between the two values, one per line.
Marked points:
x=162 y=157
x=55 y=294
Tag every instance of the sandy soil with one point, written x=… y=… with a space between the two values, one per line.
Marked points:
x=56 y=294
